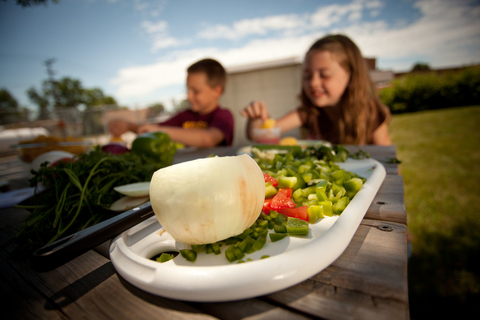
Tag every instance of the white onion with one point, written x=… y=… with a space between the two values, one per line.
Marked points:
x=208 y=200
x=138 y=189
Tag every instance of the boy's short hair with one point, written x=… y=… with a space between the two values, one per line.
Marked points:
x=216 y=74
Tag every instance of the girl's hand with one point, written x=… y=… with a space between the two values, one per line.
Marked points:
x=256 y=110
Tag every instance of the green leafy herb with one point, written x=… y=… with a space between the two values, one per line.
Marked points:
x=77 y=193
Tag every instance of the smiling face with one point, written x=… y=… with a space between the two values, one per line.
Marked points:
x=324 y=79
x=202 y=97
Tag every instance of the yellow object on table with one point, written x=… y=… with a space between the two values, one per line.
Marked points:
x=288 y=141
x=269 y=124
x=30 y=149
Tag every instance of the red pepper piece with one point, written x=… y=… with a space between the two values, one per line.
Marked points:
x=269 y=178
x=266 y=206
x=286 y=191
x=280 y=200
x=298 y=212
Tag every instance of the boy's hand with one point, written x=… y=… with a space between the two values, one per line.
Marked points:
x=256 y=110
x=148 y=128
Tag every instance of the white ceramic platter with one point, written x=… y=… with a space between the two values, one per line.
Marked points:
x=212 y=278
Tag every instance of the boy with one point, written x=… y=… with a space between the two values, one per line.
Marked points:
x=205 y=124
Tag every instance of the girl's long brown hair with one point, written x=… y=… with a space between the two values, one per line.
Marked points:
x=359 y=102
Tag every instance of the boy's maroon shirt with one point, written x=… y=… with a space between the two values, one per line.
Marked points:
x=219 y=118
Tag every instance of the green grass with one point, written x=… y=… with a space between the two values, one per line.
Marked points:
x=440 y=154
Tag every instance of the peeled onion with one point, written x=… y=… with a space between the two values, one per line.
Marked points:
x=208 y=200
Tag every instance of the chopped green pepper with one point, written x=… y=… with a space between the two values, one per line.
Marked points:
x=189 y=255
x=297 y=226
x=277 y=236
x=164 y=257
x=340 y=205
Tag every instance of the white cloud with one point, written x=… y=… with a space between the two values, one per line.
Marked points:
x=150 y=27
x=327 y=16
x=152 y=8
x=159 y=34
x=257 y=26
x=441 y=35
x=374 y=4
x=374 y=13
x=293 y=23
x=162 y=42
x=446 y=34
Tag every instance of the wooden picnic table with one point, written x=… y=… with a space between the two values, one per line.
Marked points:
x=368 y=281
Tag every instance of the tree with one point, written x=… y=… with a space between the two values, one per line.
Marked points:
x=41 y=101
x=29 y=3
x=157 y=108
x=10 y=111
x=95 y=99
x=420 y=66
x=67 y=93
x=63 y=98
x=183 y=105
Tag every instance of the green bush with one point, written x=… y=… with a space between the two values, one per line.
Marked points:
x=429 y=91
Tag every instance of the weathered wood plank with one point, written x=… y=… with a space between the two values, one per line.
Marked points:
x=104 y=249
x=330 y=302
x=20 y=300
x=388 y=204
x=369 y=278
x=248 y=309
x=85 y=288
x=374 y=262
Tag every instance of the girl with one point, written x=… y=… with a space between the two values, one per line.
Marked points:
x=339 y=103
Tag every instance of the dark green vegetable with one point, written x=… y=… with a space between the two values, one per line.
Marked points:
x=76 y=194
x=295 y=150
x=189 y=255
x=277 y=236
x=164 y=257
x=156 y=145
x=337 y=153
x=297 y=226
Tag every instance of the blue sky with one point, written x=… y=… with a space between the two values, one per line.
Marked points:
x=137 y=50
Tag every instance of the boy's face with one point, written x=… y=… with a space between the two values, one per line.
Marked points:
x=324 y=79
x=202 y=97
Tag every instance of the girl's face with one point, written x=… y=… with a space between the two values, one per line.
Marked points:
x=324 y=79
